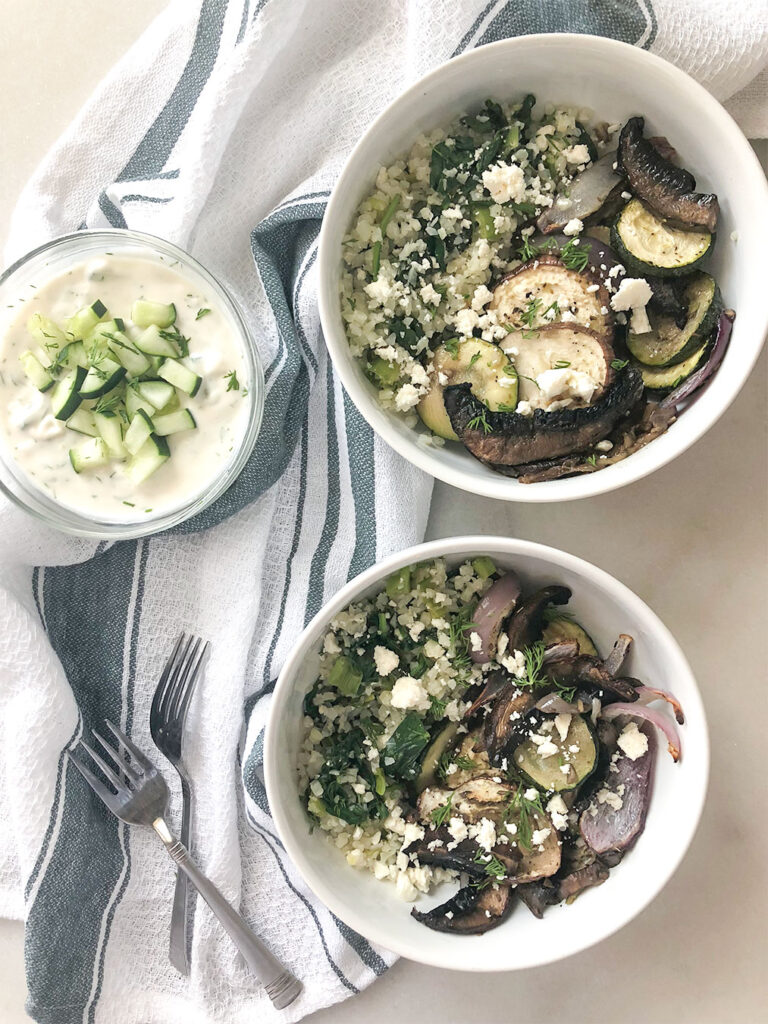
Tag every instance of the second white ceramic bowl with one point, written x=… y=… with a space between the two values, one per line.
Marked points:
x=371 y=907
x=616 y=81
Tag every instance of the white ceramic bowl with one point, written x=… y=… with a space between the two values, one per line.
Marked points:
x=373 y=908
x=616 y=81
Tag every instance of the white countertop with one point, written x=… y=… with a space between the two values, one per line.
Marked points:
x=692 y=541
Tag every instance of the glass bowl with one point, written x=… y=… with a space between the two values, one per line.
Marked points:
x=54 y=258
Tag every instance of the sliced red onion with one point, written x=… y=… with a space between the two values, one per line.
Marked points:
x=700 y=377
x=653 y=716
x=561 y=651
x=647 y=694
x=553 y=704
x=496 y=604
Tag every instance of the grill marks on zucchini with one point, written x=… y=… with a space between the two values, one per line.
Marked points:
x=666 y=344
x=648 y=245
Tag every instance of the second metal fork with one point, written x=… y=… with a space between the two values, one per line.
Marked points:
x=167 y=716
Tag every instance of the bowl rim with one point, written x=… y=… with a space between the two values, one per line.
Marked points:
x=495 y=485
x=456 y=546
x=37 y=503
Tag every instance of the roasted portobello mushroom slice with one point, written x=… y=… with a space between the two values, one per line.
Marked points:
x=668 y=190
x=510 y=439
x=472 y=911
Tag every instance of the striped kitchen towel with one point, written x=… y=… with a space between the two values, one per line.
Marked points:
x=223 y=130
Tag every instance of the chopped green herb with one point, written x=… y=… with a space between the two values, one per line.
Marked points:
x=474 y=359
x=130 y=503
x=562 y=364
x=389 y=212
x=575 y=256
x=591 y=460
x=464 y=764
x=619 y=364
x=480 y=422
x=233 y=384
x=440 y=815
x=201 y=313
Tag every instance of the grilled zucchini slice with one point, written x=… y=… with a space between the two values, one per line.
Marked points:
x=647 y=245
x=478 y=363
x=547 y=772
x=666 y=378
x=666 y=344
x=560 y=630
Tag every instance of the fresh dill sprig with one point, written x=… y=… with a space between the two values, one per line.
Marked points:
x=440 y=815
x=555 y=613
x=530 y=313
x=233 y=384
x=480 y=422
x=524 y=809
x=534 y=662
x=575 y=256
x=464 y=764
x=619 y=364
x=527 y=250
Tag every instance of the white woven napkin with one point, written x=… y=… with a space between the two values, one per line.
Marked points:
x=223 y=119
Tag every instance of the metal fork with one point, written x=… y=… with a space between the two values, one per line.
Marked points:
x=167 y=716
x=139 y=796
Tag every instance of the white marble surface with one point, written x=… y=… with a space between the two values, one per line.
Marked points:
x=692 y=541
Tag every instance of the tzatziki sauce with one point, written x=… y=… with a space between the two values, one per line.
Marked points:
x=39 y=444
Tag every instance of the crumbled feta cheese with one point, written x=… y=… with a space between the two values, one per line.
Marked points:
x=484 y=834
x=531 y=793
x=481 y=298
x=386 y=661
x=607 y=796
x=416 y=630
x=475 y=641
x=412 y=834
x=514 y=663
x=604 y=446
x=466 y=321
x=633 y=742
x=331 y=644
x=505 y=182
x=458 y=831
x=573 y=227
x=547 y=749
x=405 y=888
x=539 y=835
x=578 y=154
x=564 y=385
x=406 y=398
x=430 y=295
x=633 y=292
x=558 y=812
x=524 y=408
x=451 y=769
x=409 y=693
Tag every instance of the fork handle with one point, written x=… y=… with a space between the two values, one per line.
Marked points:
x=178 y=954
x=280 y=985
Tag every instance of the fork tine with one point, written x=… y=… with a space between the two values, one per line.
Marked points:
x=173 y=681
x=162 y=686
x=130 y=773
x=186 y=697
x=107 y=769
x=131 y=747
x=96 y=784
x=187 y=678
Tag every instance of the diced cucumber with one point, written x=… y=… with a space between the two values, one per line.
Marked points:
x=66 y=397
x=180 y=376
x=46 y=332
x=138 y=432
x=174 y=422
x=84 y=320
x=135 y=362
x=135 y=402
x=81 y=420
x=91 y=454
x=101 y=378
x=35 y=371
x=110 y=326
x=144 y=313
x=110 y=427
x=157 y=392
x=74 y=355
x=148 y=459
x=153 y=343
